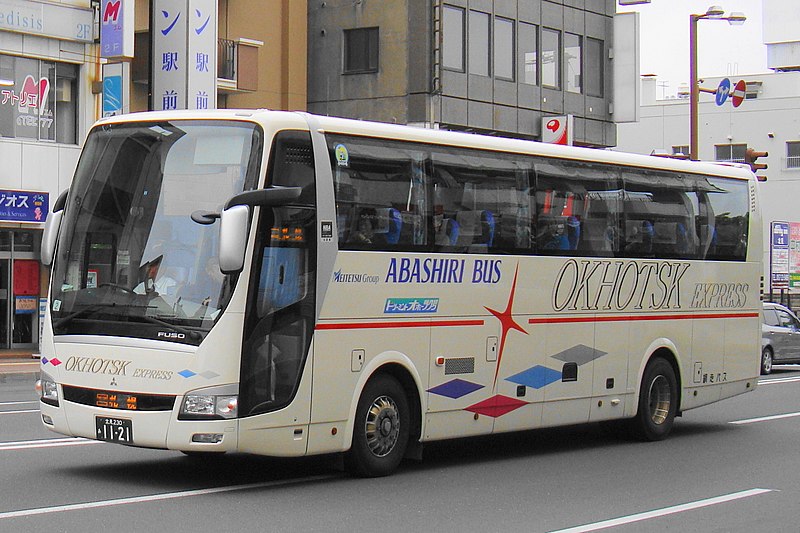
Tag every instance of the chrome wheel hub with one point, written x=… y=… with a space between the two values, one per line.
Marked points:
x=382 y=426
x=659 y=400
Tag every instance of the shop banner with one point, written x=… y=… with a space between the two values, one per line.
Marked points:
x=24 y=206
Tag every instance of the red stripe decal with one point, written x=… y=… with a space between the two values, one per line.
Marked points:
x=386 y=325
x=698 y=316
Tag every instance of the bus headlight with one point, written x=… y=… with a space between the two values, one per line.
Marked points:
x=211 y=403
x=48 y=390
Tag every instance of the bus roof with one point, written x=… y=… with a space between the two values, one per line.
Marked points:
x=292 y=119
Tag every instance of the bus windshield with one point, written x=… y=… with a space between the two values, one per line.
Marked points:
x=131 y=262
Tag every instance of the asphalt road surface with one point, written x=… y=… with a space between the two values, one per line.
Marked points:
x=728 y=467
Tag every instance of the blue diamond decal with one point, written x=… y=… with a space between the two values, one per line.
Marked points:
x=536 y=377
x=43 y=360
x=187 y=373
x=455 y=389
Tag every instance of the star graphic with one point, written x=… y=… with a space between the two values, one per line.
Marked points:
x=507 y=322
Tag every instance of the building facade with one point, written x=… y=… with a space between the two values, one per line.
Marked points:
x=47 y=61
x=51 y=84
x=492 y=66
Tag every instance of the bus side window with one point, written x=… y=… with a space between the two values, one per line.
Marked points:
x=380 y=194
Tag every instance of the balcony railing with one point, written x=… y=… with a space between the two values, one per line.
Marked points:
x=226 y=59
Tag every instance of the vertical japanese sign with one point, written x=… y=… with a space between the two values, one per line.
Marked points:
x=116 y=29
x=202 y=61
x=794 y=254
x=184 y=54
x=779 y=255
x=169 y=54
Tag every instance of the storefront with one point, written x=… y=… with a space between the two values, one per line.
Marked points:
x=48 y=61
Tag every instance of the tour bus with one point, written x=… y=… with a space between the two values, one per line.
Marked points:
x=286 y=284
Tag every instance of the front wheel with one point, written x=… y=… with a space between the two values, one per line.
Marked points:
x=766 y=361
x=381 y=428
x=658 y=401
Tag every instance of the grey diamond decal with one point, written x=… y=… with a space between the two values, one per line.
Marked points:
x=580 y=354
x=209 y=374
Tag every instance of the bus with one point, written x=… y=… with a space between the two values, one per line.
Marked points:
x=286 y=284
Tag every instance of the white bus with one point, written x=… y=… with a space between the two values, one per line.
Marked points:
x=285 y=284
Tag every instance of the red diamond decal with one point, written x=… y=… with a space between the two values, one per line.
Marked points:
x=54 y=361
x=496 y=406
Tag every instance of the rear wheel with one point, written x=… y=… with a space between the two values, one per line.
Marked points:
x=381 y=429
x=766 y=361
x=658 y=401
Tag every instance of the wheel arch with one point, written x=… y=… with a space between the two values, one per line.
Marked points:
x=401 y=368
x=666 y=350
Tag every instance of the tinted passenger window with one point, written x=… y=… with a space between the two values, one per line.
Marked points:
x=578 y=209
x=481 y=203
x=659 y=215
x=380 y=194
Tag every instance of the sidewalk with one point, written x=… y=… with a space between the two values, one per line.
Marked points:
x=18 y=362
x=16 y=354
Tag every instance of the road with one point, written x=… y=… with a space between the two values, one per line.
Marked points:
x=728 y=467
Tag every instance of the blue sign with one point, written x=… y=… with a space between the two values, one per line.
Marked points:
x=411 y=305
x=24 y=206
x=780 y=235
x=723 y=91
x=112 y=96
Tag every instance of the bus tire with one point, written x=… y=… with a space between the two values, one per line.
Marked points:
x=658 y=402
x=381 y=428
x=766 y=361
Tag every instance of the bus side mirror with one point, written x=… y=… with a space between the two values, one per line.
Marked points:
x=52 y=226
x=233 y=238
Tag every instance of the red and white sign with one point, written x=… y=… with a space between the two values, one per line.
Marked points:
x=557 y=130
x=739 y=93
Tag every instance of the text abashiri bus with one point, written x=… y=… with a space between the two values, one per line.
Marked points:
x=211 y=271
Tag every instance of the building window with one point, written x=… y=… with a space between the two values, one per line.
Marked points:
x=793 y=154
x=730 y=152
x=504 y=48
x=479 y=48
x=528 y=53
x=573 y=51
x=453 y=38
x=594 y=67
x=682 y=149
x=38 y=100
x=360 y=50
x=551 y=58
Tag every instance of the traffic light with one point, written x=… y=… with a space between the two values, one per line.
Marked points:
x=750 y=157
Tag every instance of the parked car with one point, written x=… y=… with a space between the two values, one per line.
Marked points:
x=780 y=337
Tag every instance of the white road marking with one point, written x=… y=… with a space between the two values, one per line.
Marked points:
x=773 y=381
x=159 y=497
x=20 y=403
x=764 y=419
x=21 y=411
x=623 y=520
x=45 y=443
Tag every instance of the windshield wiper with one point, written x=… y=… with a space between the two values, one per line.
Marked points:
x=75 y=314
x=96 y=307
